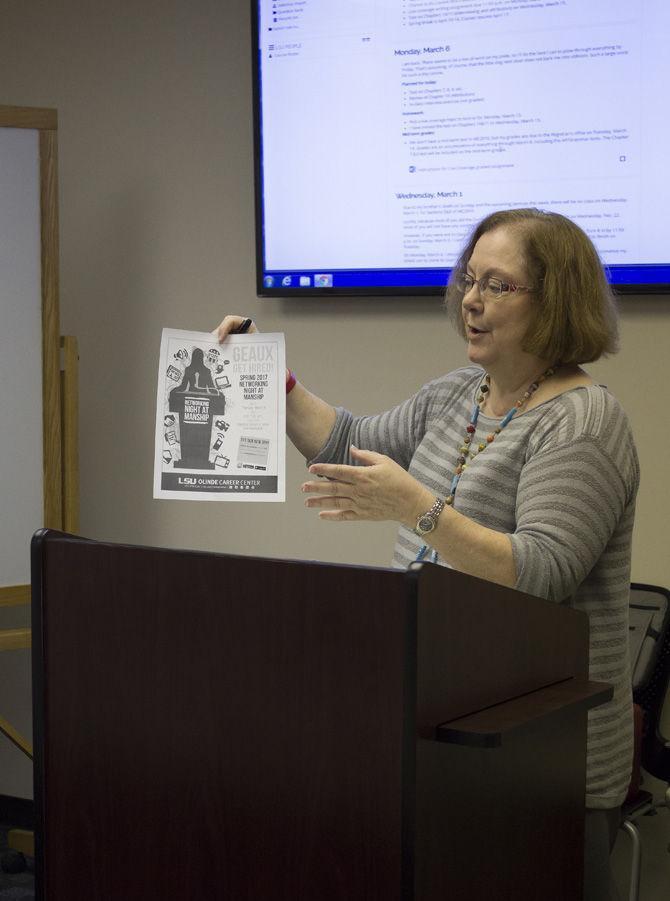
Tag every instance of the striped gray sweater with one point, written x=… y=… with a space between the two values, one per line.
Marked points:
x=561 y=481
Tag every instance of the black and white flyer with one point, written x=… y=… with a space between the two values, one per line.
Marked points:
x=220 y=418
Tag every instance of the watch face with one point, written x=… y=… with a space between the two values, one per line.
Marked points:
x=426 y=523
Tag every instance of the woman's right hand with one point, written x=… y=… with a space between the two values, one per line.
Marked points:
x=230 y=325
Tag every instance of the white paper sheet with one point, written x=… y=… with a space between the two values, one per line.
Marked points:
x=220 y=418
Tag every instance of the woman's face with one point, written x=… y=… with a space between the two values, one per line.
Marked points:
x=495 y=328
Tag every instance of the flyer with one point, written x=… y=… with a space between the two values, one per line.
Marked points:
x=220 y=418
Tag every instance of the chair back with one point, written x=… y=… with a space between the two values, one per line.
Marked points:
x=650 y=667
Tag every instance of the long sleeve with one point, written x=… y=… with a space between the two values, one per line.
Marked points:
x=575 y=502
x=399 y=431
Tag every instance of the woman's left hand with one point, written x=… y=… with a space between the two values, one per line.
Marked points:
x=378 y=490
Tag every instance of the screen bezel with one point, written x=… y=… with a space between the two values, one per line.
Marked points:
x=262 y=291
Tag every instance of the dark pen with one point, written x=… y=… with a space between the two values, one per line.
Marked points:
x=243 y=328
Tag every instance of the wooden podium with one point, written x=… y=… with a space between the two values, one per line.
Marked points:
x=243 y=729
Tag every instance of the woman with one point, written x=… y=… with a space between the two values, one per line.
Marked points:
x=518 y=468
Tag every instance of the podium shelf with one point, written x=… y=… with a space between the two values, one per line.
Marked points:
x=489 y=728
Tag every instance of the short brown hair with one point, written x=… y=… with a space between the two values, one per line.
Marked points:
x=575 y=310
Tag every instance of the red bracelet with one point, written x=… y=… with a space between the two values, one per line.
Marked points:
x=290 y=381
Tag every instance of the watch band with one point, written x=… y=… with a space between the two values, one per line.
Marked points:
x=426 y=522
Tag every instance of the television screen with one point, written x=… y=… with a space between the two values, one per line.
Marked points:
x=385 y=129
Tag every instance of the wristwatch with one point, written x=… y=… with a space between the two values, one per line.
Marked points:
x=426 y=522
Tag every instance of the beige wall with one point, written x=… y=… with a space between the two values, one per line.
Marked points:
x=156 y=201
x=156 y=198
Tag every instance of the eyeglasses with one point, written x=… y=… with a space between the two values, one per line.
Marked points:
x=490 y=287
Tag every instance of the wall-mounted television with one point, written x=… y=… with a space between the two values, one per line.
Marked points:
x=384 y=129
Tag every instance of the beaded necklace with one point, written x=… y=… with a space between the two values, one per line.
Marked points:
x=466 y=450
